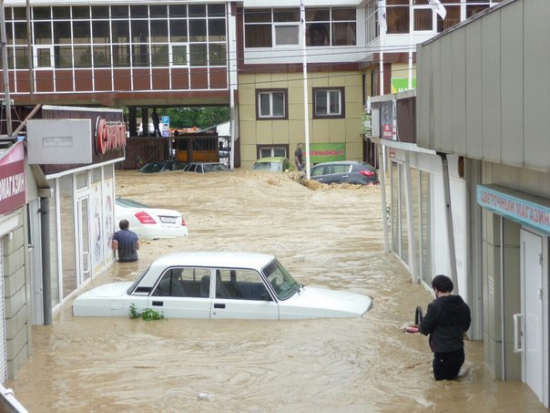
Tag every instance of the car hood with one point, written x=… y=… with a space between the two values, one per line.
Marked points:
x=112 y=290
x=311 y=302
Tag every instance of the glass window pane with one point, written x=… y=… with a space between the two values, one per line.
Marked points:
x=286 y=35
x=121 y=55
x=158 y=11
x=121 y=32
x=62 y=32
x=20 y=33
x=140 y=54
x=316 y=15
x=61 y=13
x=159 y=31
x=216 y=10
x=100 y=32
x=278 y=104
x=19 y=13
x=21 y=57
x=81 y=32
x=44 y=58
x=320 y=102
x=140 y=31
x=81 y=12
x=197 y=10
x=197 y=30
x=258 y=36
x=178 y=31
x=265 y=104
x=398 y=19
x=343 y=14
x=137 y=12
x=217 y=55
x=178 y=10
x=83 y=56
x=216 y=30
x=343 y=34
x=257 y=16
x=286 y=15
x=41 y=13
x=102 y=56
x=317 y=34
x=43 y=32
x=179 y=55
x=198 y=54
x=63 y=56
x=100 y=12
x=159 y=54
x=423 y=19
x=119 y=12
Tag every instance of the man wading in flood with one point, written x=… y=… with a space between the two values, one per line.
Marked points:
x=446 y=321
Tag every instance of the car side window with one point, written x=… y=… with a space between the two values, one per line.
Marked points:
x=240 y=284
x=340 y=169
x=181 y=282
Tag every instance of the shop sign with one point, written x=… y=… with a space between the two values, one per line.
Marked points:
x=12 y=179
x=109 y=135
x=326 y=152
x=517 y=206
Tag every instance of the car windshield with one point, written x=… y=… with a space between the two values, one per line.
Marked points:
x=152 y=167
x=280 y=279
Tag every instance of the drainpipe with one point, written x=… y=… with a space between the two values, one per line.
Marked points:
x=46 y=273
x=449 y=216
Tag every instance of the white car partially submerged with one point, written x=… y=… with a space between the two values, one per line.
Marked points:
x=218 y=285
x=148 y=222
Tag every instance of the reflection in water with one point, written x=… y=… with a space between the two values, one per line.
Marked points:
x=327 y=237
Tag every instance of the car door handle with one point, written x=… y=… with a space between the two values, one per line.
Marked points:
x=158 y=303
x=219 y=305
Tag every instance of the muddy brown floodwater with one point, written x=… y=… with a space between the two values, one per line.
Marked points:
x=326 y=236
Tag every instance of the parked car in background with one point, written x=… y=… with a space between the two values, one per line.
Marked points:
x=205 y=167
x=273 y=164
x=148 y=222
x=162 y=166
x=219 y=285
x=345 y=172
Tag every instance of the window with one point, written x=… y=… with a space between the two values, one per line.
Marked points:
x=182 y=282
x=240 y=284
x=179 y=55
x=328 y=103
x=328 y=26
x=271 y=104
x=268 y=151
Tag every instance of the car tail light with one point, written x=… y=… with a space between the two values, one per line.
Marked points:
x=368 y=173
x=145 y=218
x=182 y=222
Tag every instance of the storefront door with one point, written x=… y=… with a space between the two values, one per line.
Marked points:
x=532 y=343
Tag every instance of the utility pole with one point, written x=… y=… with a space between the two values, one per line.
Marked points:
x=3 y=41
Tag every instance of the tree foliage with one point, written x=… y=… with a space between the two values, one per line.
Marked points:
x=201 y=117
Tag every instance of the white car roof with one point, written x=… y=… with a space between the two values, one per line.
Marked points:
x=215 y=259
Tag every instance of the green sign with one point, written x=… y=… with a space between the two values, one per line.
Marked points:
x=326 y=152
x=400 y=85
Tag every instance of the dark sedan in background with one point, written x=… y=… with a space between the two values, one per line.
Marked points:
x=163 y=166
x=345 y=172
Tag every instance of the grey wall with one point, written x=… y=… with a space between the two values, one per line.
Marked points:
x=484 y=87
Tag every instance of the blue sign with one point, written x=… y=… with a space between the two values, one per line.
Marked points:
x=523 y=208
x=166 y=119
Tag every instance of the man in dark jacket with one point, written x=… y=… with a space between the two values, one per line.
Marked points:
x=446 y=321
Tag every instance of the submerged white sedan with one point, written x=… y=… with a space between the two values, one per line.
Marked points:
x=213 y=284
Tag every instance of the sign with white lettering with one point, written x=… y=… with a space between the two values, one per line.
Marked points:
x=517 y=206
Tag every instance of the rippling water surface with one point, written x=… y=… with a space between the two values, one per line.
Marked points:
x=328 y=237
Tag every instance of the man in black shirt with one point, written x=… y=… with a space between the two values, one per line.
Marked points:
x=446 y=321
x=299 y=158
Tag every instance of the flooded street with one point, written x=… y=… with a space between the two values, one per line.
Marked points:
x=327 y=237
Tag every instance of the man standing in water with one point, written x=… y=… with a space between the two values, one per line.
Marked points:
x=126 y=242
x=299 y=158
x=446 y=321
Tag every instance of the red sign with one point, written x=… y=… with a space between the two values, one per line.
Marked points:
x=12 y=179
x=109 y=135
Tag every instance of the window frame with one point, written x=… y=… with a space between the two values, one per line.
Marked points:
x=342 y=103
x=260 y=92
